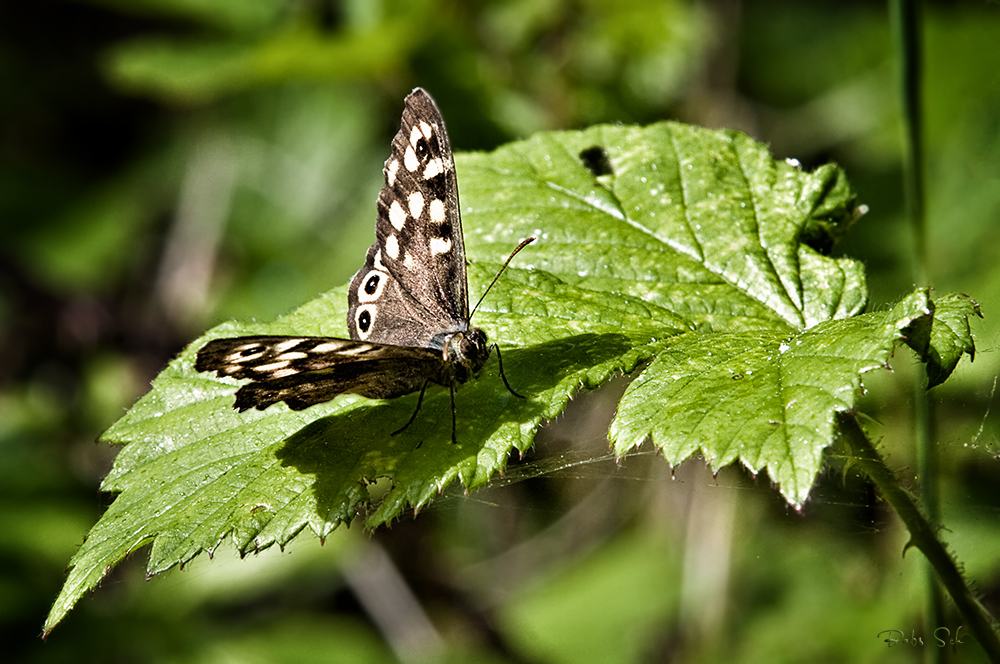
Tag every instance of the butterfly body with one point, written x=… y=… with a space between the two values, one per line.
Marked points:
x=408 y=314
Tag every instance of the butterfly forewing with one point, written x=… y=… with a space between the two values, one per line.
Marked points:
x=412 y=287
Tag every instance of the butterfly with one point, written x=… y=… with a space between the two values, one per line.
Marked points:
x=408 y=312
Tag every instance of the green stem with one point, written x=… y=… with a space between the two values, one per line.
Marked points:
x=908 y=24
x=922 y=536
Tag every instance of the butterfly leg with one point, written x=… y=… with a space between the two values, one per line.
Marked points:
x=502 y=375
x=451 y=388
x=416 y=410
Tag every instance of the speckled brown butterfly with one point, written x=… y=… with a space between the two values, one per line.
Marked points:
x=408 y=310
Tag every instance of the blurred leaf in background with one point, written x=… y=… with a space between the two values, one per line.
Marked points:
x=167 y=164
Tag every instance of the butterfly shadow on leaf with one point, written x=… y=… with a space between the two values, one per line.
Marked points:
x=349 y=450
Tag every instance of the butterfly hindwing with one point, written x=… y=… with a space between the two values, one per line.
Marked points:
x=412 y=289
x=381 y=311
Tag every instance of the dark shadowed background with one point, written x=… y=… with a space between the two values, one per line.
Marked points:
x=167 y=164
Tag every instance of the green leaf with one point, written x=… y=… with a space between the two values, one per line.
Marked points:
x=195 y=471
x=764 y=398
x=705 y=224
x=688 y=256
x=950 y=336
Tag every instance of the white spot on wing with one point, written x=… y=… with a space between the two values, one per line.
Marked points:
x=397 y=215
x=410 y=160
x=378 y=260
x=293 y=355
x=440 y=245
x=272 y=368
x=392 y=247
x=328 y=347
x=238 y=357
x=415 y=136
x=282 y=346
x=390 y=172
x=357 y=350
x=427 y=130
x=434 y=168
x=409 y=262
x=416 y=201
x=437 y=211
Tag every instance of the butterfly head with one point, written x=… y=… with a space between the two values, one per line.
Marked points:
x=466 y=353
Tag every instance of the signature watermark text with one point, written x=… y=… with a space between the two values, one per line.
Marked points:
x=941 y=637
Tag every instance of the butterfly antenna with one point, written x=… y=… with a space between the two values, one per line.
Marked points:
x=524 y=243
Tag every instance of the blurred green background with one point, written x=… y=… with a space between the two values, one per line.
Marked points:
x=168 y=164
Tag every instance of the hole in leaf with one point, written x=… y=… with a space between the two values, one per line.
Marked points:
x=596 y=160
